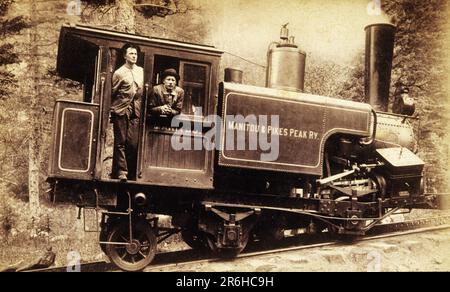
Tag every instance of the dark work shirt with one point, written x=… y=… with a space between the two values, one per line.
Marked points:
x=160 y=96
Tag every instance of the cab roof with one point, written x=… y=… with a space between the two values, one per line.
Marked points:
x=78 y=42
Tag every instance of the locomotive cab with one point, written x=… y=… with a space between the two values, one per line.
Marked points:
x=81 y=128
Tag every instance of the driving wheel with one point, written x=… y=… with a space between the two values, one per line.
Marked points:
x=134 y=255
x=225 y=252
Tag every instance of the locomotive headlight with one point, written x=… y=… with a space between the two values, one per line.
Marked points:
x=140 y=199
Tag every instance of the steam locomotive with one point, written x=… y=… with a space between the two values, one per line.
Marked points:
x=241 y=161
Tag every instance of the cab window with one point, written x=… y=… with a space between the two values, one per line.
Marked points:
x=194 y=79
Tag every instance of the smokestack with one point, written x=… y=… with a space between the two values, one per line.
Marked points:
x=379 y=52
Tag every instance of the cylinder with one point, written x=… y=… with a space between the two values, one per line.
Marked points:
x=286 y=68
x=378 y=63
x=394 y=131
x=233 y=75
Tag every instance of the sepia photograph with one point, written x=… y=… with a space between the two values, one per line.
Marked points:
x=222 y=137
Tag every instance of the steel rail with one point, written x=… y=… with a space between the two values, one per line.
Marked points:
x=297 y=248
x=381 y=231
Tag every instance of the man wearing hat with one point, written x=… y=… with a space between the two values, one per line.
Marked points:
x=167 y=98
x=127 y=87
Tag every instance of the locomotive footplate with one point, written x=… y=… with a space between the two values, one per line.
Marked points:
x=308 y=206
x=261 y=201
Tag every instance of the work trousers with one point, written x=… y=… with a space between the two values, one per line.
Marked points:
x=126 y=135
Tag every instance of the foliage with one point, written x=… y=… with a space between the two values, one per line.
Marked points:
x=8 y=27
x=353 y=87
x=63 y=82
x=4 y=6
x=418 y=56
x=161 y=8
x=419 y=24
x=325 y=77
x=417 y=64
x=8 y=220
x=98 y=2
x=13 y=25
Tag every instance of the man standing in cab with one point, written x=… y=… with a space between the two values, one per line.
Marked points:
x=126 y=95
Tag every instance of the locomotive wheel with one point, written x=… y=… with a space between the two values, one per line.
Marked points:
x=225 y=252
x=137 y=255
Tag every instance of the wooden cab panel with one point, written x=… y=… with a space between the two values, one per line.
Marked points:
x=163 y=163
x=160 y=153
x=74 y=140
x=184 y=168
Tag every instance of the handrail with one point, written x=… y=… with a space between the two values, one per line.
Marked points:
x=399 y=115
x=143 y=123
x=374 y=133
x=100 y=120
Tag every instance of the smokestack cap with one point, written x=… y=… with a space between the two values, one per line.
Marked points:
x=233 y=75
x=379 y=24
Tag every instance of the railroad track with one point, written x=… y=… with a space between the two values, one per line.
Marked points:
x=375 y=234
x=185 y=258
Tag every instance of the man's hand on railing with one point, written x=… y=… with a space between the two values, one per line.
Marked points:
x=166 y=110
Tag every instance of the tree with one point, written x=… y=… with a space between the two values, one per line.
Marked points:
x=122 y=13
x=9 y=142
x=8 y=27
x=417 y=64
x=325 y=77
x=125 y=16
x=418 y=53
